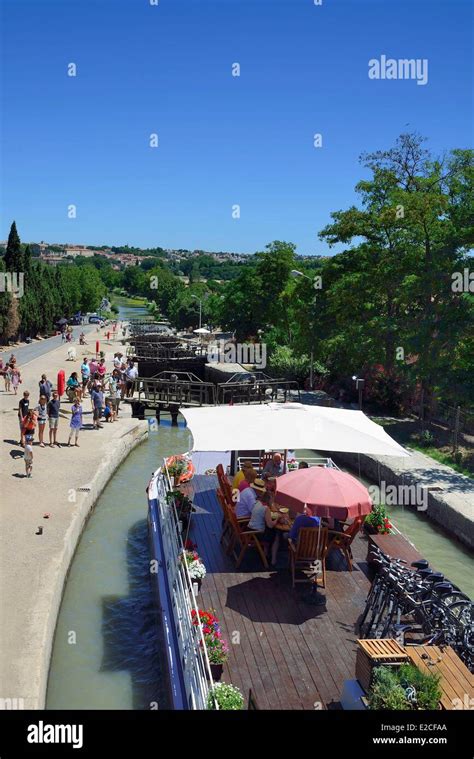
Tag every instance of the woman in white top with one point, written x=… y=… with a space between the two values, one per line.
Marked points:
x=263 y=521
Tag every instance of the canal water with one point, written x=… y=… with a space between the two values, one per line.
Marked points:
x=106 y=652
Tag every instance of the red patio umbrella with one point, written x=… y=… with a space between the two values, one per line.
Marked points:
x=329 y=492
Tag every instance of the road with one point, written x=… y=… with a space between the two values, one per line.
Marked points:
x=28 y=353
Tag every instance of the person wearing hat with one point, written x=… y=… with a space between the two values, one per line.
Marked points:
x=247 y=498
x=245 y=466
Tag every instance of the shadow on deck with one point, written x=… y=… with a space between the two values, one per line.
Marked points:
x=292 y=655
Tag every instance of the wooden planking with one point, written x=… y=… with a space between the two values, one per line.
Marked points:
x=290 y=654
x=456 y=681
x=397 y=547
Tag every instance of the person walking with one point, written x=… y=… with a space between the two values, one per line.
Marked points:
x=7 y=376
x=42 y=415
x=53 y=418
x=45 y=387
x=23 y=408
x=16 y=379
x=75 y=423
x=28 y=458
x=97 y=397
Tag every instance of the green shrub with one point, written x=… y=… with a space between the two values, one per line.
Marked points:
x=386 y=691
x=403 y=688
x=426 y=685
x=426 y=439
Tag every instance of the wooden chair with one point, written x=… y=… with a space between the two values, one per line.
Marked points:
x=227 y=532
x=310 y=547
x=343 y=540
x=245 y=537
x=224 y=483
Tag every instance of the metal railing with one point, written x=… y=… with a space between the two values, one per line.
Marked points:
x=257 y=392
x=322 y=461
x=189 y=662
x=164 y=392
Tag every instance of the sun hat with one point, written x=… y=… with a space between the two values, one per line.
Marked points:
x=258 y=485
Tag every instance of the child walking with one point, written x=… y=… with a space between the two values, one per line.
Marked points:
x=28 y=456
x=76 y=422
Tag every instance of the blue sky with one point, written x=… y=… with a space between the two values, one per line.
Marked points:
x=223 y=140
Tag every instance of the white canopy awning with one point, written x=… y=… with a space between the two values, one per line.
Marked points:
x=276 y=426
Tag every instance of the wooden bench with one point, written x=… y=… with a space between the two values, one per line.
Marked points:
x=456 y=683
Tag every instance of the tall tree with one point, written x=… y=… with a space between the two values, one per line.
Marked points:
x=14 y=259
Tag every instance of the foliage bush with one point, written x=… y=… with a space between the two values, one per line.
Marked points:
x=283 y=362
x=227 y=696
x=404 y=688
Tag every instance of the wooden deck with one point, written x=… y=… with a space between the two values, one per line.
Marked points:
x=292 y=655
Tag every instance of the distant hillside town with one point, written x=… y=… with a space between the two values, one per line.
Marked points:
x=121 y=256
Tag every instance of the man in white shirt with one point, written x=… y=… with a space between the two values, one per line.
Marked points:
x=131 y=373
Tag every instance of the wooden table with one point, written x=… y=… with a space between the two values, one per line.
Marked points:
x=279 y=526
x=394 y=546
x=456 y=683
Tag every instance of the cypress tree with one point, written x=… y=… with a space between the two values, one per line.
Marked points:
x=14 y=258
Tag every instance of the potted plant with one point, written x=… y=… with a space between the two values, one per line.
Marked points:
x=216 y=647
x=228 y=697
x=177 y=468
x=217 y=652
x=196 y=568
x=404 y=688
x=377 y=521
x=183 y=506
x=291 y=465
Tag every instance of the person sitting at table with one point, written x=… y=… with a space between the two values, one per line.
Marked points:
x=274 y=467
x=303 y=465
x=262 y=521
x=306 y=519
x=247 y=499
x=249 y=477
x=244 y=466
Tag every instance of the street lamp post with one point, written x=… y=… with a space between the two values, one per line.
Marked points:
x=360 y=387
x=200 y=309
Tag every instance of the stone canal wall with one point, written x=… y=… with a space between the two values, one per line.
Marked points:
x=65 y=486
x=449 y=497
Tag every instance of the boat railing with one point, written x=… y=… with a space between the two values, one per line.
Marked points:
x=323 y=461
x=187 y=648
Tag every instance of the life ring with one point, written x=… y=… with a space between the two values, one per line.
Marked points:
x=188 y=474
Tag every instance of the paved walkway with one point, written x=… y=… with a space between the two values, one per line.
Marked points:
x=65 y=483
